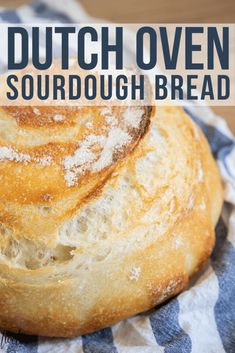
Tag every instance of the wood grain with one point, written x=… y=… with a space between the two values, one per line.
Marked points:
x=161 y=11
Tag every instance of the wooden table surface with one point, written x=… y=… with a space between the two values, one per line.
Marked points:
x=161 y=11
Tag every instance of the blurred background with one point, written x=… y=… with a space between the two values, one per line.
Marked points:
x=160 y=11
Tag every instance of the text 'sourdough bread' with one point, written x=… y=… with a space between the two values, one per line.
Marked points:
x=102 y=214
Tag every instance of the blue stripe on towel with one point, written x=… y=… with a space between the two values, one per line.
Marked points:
x=9 y=16
x=223 y=263
x=220 y=144
x=99 y=342
x=167 y=331
x=217 y=140
x=45 y=12
x=18 y=343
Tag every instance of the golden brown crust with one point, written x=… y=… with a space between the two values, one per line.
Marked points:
x=132 y=245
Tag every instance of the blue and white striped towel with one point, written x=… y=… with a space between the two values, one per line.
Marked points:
x=199 y=320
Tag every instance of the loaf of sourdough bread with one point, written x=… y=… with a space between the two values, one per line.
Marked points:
x=104 y=213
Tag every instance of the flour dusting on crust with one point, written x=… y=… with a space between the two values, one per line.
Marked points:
x=10 y=154
x=97 y=152
x=135 y=273
x=94 y=141
x=84 y=156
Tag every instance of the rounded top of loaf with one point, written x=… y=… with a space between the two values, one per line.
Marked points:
x=56 y=157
